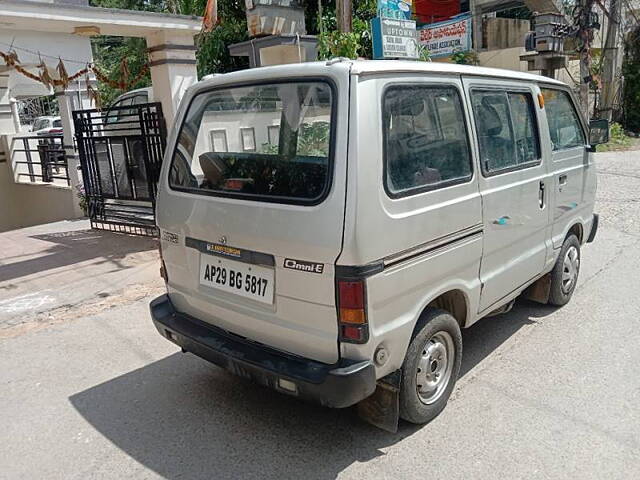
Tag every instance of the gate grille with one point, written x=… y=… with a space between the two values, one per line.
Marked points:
x=121 y=153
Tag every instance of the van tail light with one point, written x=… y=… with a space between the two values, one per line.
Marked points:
x=352 y=311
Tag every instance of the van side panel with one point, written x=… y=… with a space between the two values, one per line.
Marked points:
x=430 y=242
x=574 y=197
x=397 y=297
x=574 y=181
x=515 y=200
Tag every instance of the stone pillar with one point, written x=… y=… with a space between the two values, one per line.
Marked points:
x=172 y=59
x=16 y=116
x=8 y=109
x=73 y=161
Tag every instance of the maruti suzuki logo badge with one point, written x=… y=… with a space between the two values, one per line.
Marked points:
x=223 y=240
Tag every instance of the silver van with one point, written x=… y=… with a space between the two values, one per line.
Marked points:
x=327 y=229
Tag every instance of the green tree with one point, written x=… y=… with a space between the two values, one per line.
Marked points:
x=332 y=43
x=213 y=53
x=108 y=51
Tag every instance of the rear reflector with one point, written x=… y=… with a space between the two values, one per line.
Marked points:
x=287 y=385
x=352 y=311
x=354 y=333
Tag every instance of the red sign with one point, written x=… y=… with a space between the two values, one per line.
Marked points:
x=430 y=11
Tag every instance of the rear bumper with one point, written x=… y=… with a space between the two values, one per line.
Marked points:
x=594 y=228
x=339 y=385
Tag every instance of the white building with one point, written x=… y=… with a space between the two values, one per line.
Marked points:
x=47 y=30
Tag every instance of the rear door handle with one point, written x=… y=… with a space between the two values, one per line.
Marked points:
x=562 y=180
x=541 y=200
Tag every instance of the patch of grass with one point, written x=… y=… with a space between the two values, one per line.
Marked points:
x=618 y=140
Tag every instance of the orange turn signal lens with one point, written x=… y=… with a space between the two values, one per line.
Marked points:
x=540 y=100
x=350 y=315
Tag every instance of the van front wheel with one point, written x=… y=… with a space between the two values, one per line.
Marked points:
x=431 y=366
x=564 y=275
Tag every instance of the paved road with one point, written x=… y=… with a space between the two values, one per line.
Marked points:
x=544 y=393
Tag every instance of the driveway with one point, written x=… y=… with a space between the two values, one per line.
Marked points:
x=544 y=393
x=65 y=270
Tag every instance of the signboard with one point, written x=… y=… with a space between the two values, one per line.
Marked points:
x=398 y=9
x=394 y=38
x=444 y=38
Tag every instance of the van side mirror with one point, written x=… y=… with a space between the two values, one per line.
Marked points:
x=598 y=131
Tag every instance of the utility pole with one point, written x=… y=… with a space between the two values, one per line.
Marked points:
x=583 y=19
x=610 y=60
x=344 y=15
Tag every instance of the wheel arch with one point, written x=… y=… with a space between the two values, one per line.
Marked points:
x=576 y=229
x=454 y=301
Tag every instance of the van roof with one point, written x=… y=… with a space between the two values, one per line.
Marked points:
x=361 y=67
x=367 y=67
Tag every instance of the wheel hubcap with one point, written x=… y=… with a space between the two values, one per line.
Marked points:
x=570 y=268
x=435 y=367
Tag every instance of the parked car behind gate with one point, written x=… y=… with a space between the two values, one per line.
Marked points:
x=327 y=229
x=48 y=125
x=121 y=163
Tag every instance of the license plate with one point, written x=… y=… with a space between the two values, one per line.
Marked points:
x=239 y=278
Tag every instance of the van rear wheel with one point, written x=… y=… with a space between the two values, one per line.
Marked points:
x=564 y=275
x=431 y=366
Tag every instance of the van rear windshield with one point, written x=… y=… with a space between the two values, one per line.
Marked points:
x=268 y=142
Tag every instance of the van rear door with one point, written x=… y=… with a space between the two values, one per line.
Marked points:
x=251 y=205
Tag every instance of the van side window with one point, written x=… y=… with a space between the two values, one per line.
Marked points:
x=426 y=144
x=565 y=129
x=507 y=131
x=140 y=99
x=114 y=116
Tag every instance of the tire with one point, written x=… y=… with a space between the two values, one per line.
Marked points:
x=423 y=394
x=564 y=275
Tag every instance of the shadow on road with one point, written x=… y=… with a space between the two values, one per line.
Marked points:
x=485 y=336
x=184 y=418
x=73 y=247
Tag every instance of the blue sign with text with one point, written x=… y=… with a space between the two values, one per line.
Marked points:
x=398 y=9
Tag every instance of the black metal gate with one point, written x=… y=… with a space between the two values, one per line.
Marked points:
x=121 y=153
